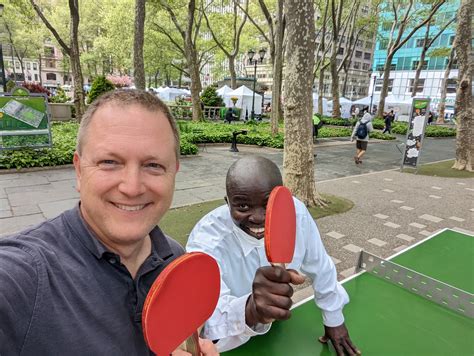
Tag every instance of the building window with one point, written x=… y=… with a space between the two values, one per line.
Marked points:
x=419 y=42
x=451 y=86
x=383 y=44
x=379 y=67
x=365 y=66
x=29 y=78
x=414 y=65
x=49 y=51
x=379 y=82
x=360 y=43
x=451 y=40
x=367 y=56
x=341 y=50
x=368 y=44
x=419 y=87
x=358 y=54
x=50 y=76
x=35 y=66
x=28 y=66
x=36 y=77
x=356 y=65
x=17 y=65
x=50 y=63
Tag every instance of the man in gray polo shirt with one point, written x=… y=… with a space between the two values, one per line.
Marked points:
x=76 y=284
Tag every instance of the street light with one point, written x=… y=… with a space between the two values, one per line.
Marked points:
x=251 y=54
x=373 y=88
x=4 y=80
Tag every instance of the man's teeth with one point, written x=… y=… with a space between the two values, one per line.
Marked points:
x=257 y=230
x=130 y=207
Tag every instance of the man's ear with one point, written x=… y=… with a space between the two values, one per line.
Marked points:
x=77 y=167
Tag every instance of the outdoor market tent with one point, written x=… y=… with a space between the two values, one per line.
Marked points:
x=170 y=94
x=346 y=106
x=244 y=101
x=222 y=92
x=315 y=104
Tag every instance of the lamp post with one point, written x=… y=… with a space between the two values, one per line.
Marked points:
x=4 y=80
x=373 y=88
x=251 y=54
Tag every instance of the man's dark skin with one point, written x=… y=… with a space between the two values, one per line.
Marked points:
x=249 y=183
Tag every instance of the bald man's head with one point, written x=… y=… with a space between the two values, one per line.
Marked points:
x=249 y=183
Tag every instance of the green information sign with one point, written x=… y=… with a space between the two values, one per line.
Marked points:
x=24 y=120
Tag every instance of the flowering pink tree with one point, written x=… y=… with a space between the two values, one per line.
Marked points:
x=120 y=81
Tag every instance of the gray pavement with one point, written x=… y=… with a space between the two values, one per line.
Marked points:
x=392 y=210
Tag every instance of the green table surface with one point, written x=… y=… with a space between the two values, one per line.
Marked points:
x=384 y=319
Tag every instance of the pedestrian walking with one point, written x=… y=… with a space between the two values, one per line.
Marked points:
x=361 y=133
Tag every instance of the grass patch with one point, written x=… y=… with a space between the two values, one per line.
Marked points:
x=440 y=169
x=179 y=222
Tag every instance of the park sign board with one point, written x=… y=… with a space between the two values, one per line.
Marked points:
x=24 y=120
x=416 y=131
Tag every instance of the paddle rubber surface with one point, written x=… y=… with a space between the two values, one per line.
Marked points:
x=180 y=300
x=280 y=226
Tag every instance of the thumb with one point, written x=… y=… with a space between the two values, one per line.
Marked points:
x=323 y=339
x=296 y=278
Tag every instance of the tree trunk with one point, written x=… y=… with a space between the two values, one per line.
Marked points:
x=464 y=111
x=336 y=110
x=277 y=112
x=321 y=89
x=196 y=87
x=384 y=92
x=39 y=69
x=444 y=88
x=419 y=67
x=138 y=64
x=74 y=57
x=298 y=160
x=233 y=74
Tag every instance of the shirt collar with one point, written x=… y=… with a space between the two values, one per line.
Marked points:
x=247 y=243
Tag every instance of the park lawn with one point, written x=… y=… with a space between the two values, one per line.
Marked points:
x=440 y=169
x=178 y=222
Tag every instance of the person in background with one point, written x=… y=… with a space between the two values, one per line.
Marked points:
x=76 y=284
x=388 y=119
x=361 y=133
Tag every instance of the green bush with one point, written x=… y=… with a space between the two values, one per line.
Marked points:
x=338 y=122
x=380 y=136
x=188 y=148
x=439 y=131
x=210 y=98
x=99 y=86
x=60 y=97
x=10 y=85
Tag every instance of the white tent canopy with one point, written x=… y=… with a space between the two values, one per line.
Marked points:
x=170 y=94
x=244 y=101
x=222 y=92
x=315 y=104
x=345 y=104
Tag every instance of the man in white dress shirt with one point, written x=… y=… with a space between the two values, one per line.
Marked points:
x=254 y=293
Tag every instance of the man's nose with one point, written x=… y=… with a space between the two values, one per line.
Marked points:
x=132 y=182
x=258 y=216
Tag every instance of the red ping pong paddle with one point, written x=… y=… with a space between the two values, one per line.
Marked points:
x=180 y=300
x=280 y=226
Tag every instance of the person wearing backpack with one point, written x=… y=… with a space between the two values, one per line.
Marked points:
x=361 y=134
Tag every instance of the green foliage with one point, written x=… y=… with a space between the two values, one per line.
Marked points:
x=10 y=85
x=210 y=98
x=439 y=131
x=338 y=122
x=380 y=136
x=60 y=97
x=99 y=86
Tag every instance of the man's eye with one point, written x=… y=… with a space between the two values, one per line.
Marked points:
x=243 y=206
x=155 y=167
x=107 y=163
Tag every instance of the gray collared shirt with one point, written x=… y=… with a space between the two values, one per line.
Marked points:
x=63 y=293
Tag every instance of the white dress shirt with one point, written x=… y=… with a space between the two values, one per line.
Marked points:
x=239 y=255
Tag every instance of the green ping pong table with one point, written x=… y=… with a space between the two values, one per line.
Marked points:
x=384 y=318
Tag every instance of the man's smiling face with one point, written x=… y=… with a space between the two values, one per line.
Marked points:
x=249 y=185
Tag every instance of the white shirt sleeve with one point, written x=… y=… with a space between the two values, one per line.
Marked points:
x=330 y=296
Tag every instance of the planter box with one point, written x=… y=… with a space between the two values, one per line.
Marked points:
x=61 y=112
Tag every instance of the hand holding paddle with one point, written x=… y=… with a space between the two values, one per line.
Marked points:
x=180 y=300
x=271 y=291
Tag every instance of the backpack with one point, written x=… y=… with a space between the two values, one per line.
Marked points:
x=361 y=131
